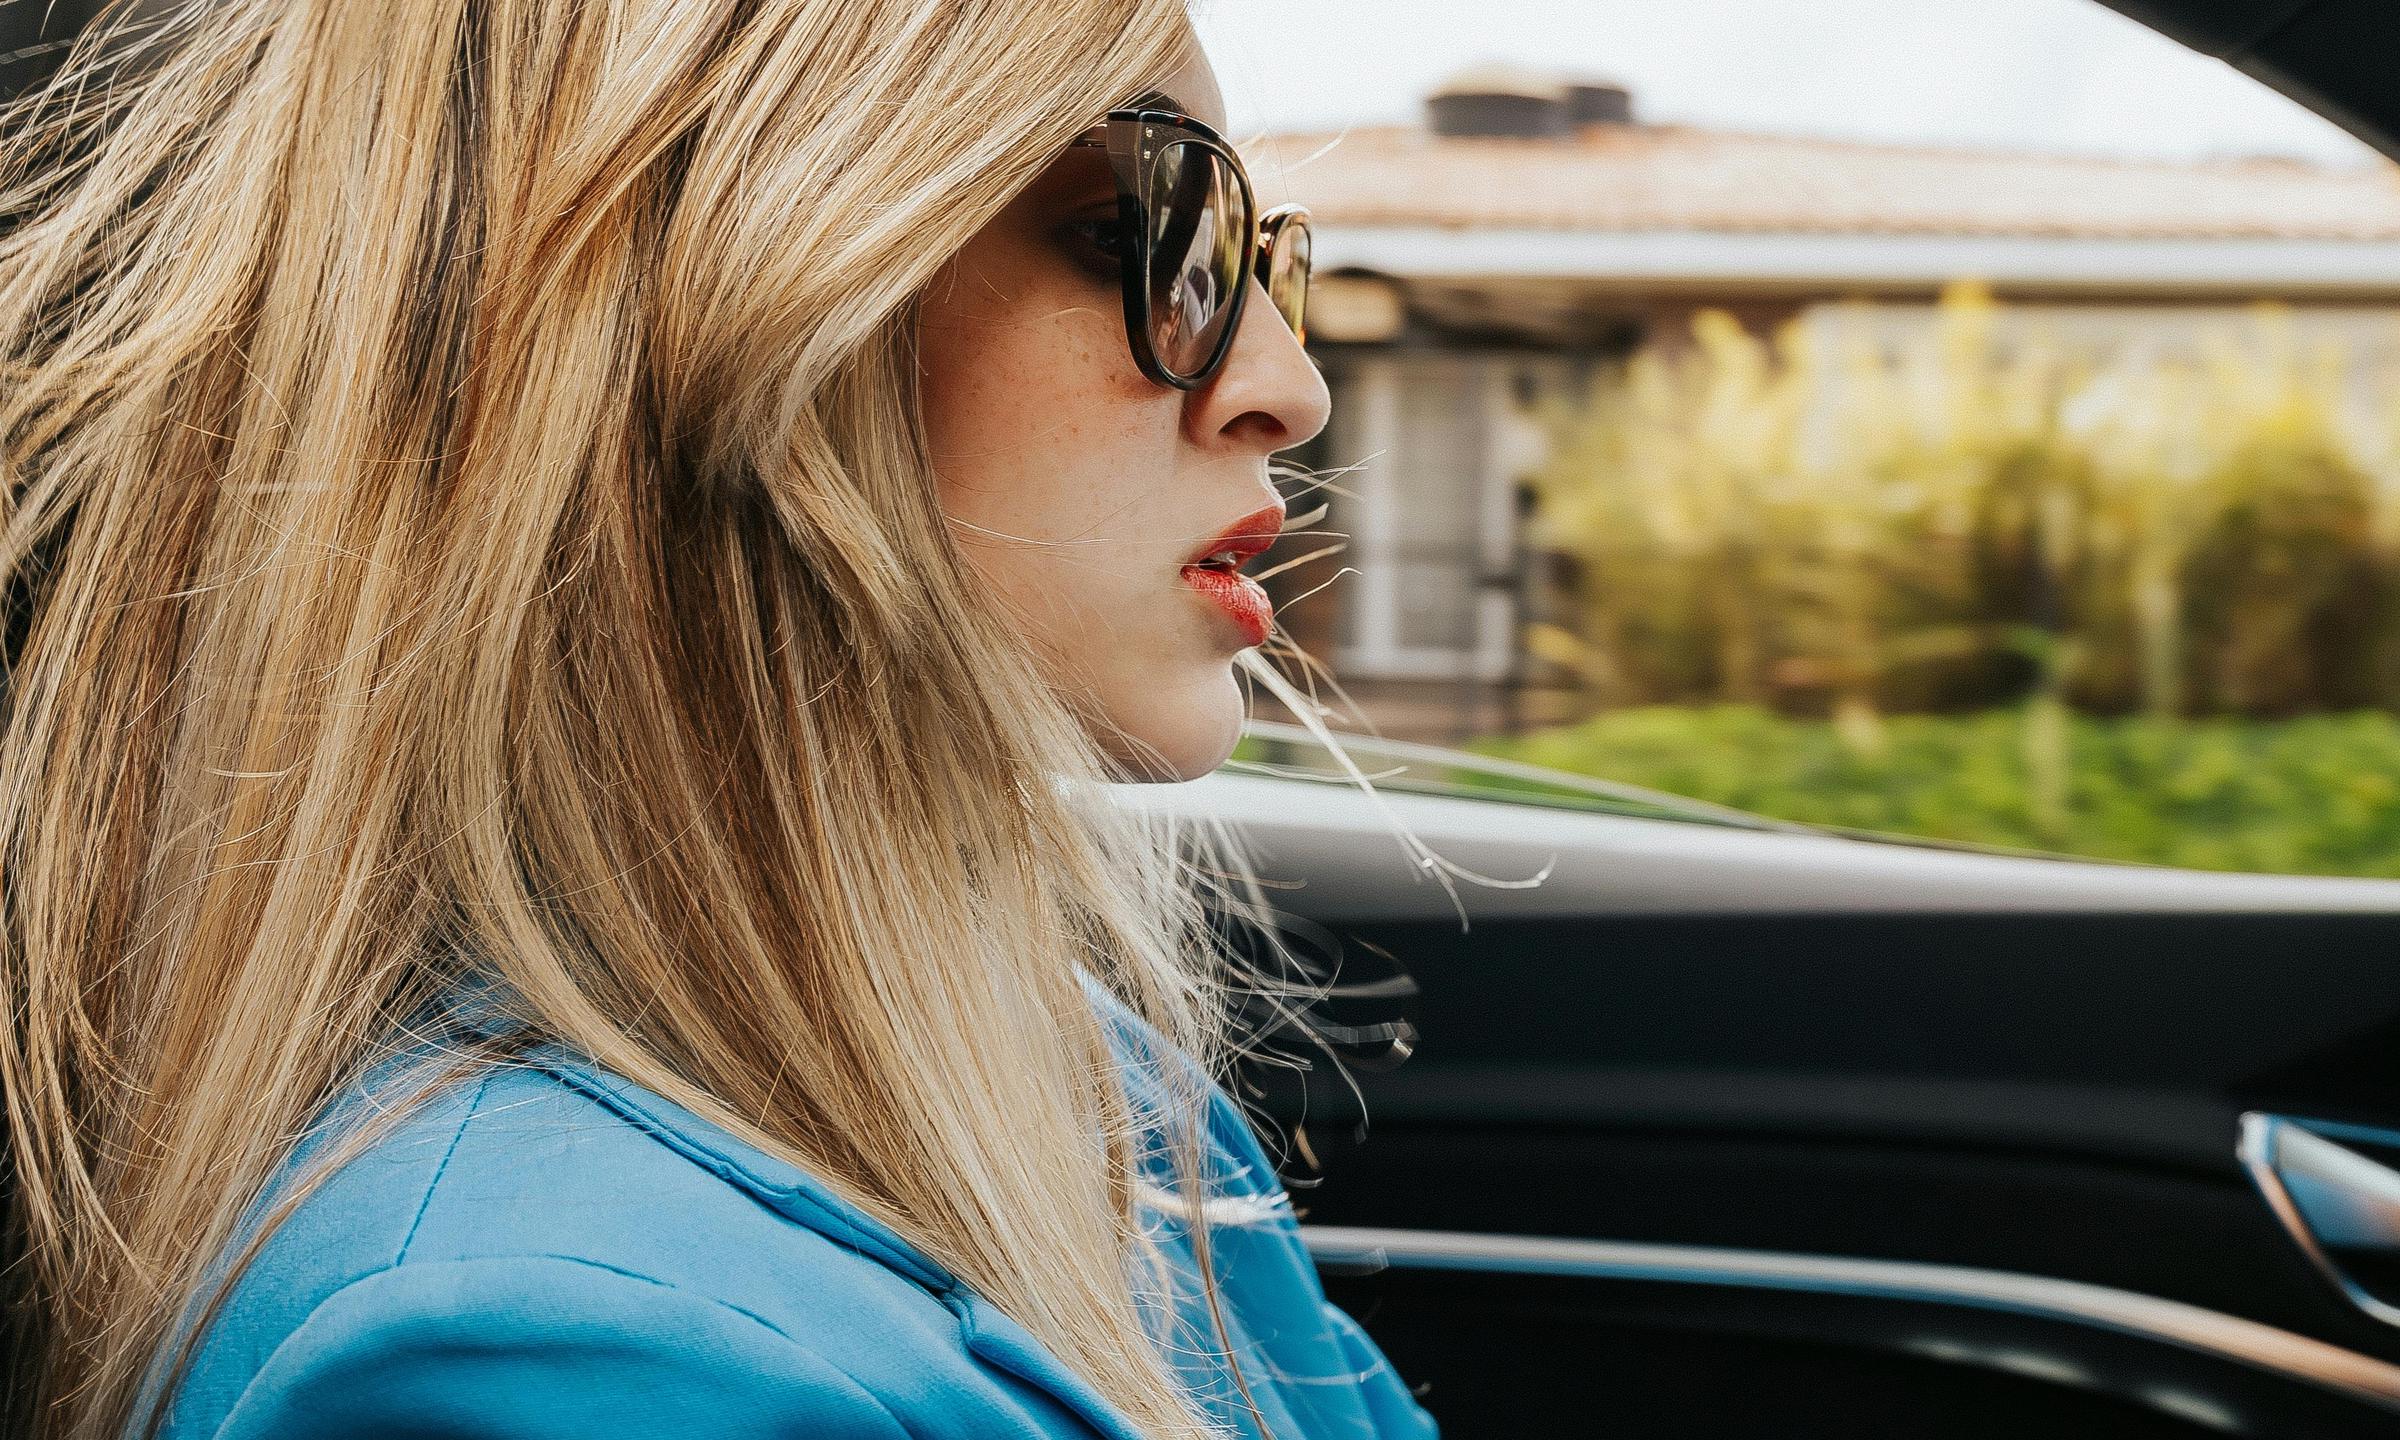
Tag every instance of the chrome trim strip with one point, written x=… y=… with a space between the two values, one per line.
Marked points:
x=2172 y=1322
x=2260 y=1153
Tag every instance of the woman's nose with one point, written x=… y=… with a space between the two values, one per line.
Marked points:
x=1269 y=395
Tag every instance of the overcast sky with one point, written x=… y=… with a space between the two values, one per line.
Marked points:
x=2049 y=74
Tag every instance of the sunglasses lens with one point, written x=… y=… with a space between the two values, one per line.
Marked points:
x=1287 y=275
x=1196 y=267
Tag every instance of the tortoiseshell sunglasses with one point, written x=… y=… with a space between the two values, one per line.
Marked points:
x=1192 y=237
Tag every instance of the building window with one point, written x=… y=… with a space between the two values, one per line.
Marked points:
x=1431 y=515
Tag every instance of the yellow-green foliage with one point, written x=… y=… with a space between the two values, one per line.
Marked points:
x=1851 y=528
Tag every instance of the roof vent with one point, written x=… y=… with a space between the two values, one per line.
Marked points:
x=1499 y=99
x=1597 y=100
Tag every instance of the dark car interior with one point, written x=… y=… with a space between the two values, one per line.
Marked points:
x=1737 y=1104
x=1873 y=1169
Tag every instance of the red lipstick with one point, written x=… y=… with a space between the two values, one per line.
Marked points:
x=1216 y=572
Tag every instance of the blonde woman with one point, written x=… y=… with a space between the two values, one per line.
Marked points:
x=579 y=573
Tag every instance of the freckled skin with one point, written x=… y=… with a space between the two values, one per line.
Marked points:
x=1078 y=487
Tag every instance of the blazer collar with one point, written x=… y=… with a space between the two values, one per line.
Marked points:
x=987 y=1331
x=477 y=1002
x=784 y=1187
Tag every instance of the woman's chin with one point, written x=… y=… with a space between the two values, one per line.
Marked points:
x=1181 y=733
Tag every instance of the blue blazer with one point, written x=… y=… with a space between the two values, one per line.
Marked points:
x=549 y=1252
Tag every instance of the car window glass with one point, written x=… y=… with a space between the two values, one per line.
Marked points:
x=1979 y=424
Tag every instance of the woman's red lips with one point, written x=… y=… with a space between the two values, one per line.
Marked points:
x=1239 y=596
x=1216 y=572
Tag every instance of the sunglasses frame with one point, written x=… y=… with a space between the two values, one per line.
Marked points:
x=1135 y=138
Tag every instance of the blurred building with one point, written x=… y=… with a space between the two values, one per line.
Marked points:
x=1532 y=228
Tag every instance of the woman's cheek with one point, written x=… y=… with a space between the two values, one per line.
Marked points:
x=1058 y=461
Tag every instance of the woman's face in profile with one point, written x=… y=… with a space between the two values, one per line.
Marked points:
x=1080 y=489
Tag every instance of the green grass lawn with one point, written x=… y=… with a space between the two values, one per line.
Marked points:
x=2318 y=794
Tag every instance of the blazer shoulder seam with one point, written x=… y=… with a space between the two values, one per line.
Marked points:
x=425 y=1202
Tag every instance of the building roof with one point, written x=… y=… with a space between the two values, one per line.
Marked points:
x=1631 y=179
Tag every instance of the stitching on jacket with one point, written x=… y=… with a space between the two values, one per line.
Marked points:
x=473 y=1103
x=720 y=1301
x=723 y=1304
x=815 y=1356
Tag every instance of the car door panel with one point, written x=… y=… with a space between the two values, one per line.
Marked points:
x=2044 y=1093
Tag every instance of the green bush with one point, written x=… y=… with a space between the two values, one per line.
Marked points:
x=2317 y=794
x=1826 y=524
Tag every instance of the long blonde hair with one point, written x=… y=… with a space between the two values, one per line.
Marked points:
x=466 y=507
